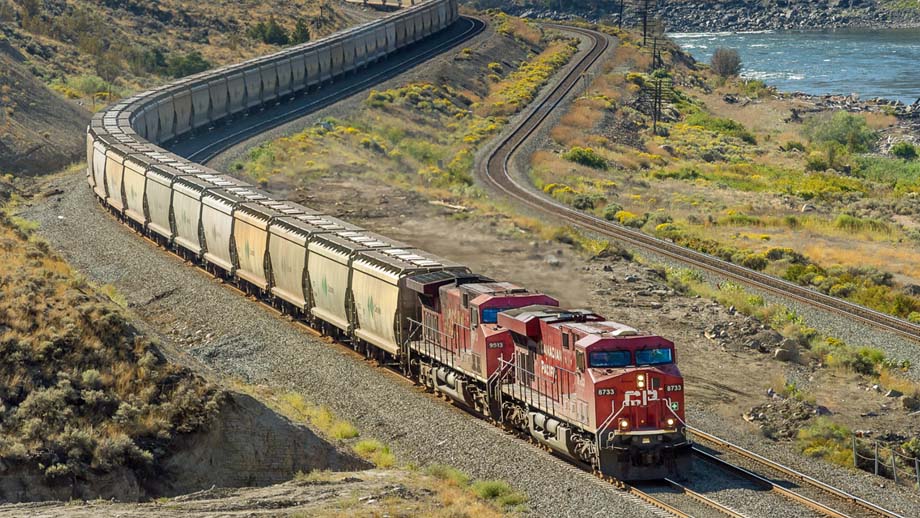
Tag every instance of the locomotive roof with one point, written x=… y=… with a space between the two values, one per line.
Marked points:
x=495 y=288
x=605 y=329
x=552 y=314
x=428 y=283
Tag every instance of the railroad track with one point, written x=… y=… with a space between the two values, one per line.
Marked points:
x=204 y=148
x=807 y=491
x=496 y=174
x=680 y=501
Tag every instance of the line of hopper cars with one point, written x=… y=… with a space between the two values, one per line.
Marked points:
x=593 y=390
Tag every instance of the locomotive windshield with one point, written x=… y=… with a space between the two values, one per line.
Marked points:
x=653 y=356
x=607 y=359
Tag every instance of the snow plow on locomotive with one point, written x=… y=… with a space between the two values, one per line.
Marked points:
x=595 y=391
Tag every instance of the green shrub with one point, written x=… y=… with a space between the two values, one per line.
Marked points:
x=726 y=62
x=375 y=451
x=846 y=129
x=191 y=63
x=755 y=88
x=827 y=440
x=904 y=150
x=269 y=32
x=491 y=489
x=586 y=157
x=722 y=126
x=815 y=161
x=629 y=219
x=901 y=175
x=301 y=33
x=792 y=145
x=854 y=224
x=610 y=211
x=583 y=202
x=449 y=474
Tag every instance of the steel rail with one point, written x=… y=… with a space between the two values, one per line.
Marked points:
x=772 y=486
x=791 y=473
x=497 y=175
x=651 y=500
x=212 y=149
x=705 y=500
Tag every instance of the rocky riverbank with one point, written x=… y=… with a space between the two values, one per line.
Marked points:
x=748 y=15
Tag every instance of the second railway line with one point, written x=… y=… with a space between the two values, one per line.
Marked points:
x=496 y=172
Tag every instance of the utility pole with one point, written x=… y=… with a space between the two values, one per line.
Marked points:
x=645 y=23
x=620 y=19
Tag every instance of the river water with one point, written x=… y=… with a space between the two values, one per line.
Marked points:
x=872 y=63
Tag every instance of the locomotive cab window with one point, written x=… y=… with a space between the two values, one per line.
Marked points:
x=490 y=315
x=565 y=340
x=609 y=359
x=657 y=356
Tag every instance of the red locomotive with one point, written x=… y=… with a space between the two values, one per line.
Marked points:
x=593 y=390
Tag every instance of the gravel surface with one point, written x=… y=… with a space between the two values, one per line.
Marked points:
x=244 y=340
x=741 y=495
x=900 y=499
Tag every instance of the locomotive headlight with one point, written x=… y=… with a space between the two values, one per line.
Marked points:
x=624 y=424
x=670 y=422
x=640 y=381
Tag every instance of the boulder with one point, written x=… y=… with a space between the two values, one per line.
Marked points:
x=783 y=355
x=911 y=403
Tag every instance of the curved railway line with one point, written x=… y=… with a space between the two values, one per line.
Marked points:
x=220 y=139
x=497 y=174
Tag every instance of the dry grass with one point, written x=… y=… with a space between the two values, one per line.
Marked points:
x=879 y=121
x=82 y=389
x=216 y=30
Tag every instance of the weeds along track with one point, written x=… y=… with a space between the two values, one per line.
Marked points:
x=497 y=175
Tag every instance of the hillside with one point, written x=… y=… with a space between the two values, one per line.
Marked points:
x=39 y=130
x=93 y=53
x=733 y=15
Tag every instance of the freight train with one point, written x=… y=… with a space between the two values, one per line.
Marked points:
x=595 y=391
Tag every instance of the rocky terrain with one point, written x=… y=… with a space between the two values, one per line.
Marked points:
x=743 y=15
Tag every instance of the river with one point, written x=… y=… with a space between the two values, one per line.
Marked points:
x=872 y=63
